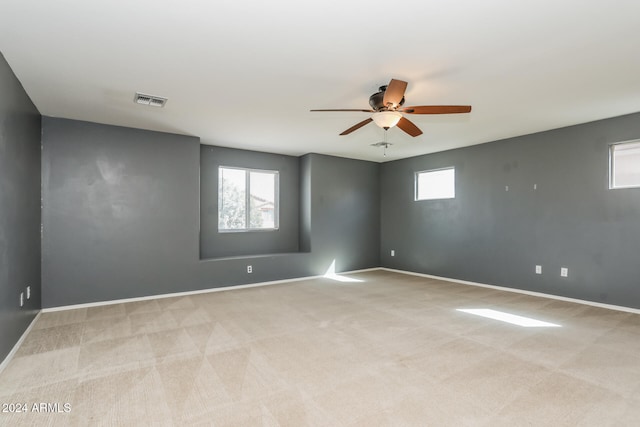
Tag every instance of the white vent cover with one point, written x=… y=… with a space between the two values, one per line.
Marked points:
x=151 y=100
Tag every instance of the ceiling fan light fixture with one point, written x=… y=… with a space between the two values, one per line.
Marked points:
x=386 y=119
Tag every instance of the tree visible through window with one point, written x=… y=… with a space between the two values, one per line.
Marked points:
x=247 y=199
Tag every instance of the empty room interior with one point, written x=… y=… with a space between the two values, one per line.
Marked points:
x=323 y=214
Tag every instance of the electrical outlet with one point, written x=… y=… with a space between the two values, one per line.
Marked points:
x=538 y=269
x=506 y=188
x=564 y=272
x=393 y=252
x=249 y=269
x=21 y=299
x=28 y=292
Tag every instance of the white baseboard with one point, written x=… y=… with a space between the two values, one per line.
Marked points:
x=200 y=291
x=297 y=279
x=519 y=291
x=17 y=345
x=15 y=348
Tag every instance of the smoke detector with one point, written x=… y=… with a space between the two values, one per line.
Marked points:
x=150 y=100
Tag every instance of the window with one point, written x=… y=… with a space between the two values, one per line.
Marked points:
x=247 y=199
x=435 y=184
x=624 y=167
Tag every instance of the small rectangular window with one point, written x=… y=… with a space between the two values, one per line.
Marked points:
x=624 y=165
x=247 y=199
x=435 y=184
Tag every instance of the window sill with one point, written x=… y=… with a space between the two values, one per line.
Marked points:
x=269 y=255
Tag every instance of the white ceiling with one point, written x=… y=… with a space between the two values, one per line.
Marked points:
x=245 y=74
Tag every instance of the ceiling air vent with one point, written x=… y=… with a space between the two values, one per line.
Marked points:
x=151 y=100
x=382 y=144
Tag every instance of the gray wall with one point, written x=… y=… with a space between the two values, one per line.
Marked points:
x=305 y=204
x=121 y=216
x=285 y=239
x=19 y=208
x=120 y=211
x=345 y=211
x=492 y=236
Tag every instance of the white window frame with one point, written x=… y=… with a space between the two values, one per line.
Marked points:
x=416 y=178
x=612 y=165
x=276 y=202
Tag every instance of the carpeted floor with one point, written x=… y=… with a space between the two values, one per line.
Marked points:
x=391 y=349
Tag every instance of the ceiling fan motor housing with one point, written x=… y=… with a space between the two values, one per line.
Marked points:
x=376 y=99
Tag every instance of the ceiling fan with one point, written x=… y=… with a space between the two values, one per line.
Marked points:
x=387 y=108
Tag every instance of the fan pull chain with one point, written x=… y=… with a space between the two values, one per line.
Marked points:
x=386 y=144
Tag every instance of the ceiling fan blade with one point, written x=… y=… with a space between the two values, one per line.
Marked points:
x=394 y=93
x=356 y=127
x=436 y=109
x=364 y=111
x=408 y=126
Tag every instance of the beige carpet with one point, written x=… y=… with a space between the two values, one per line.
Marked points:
x=389 y=350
